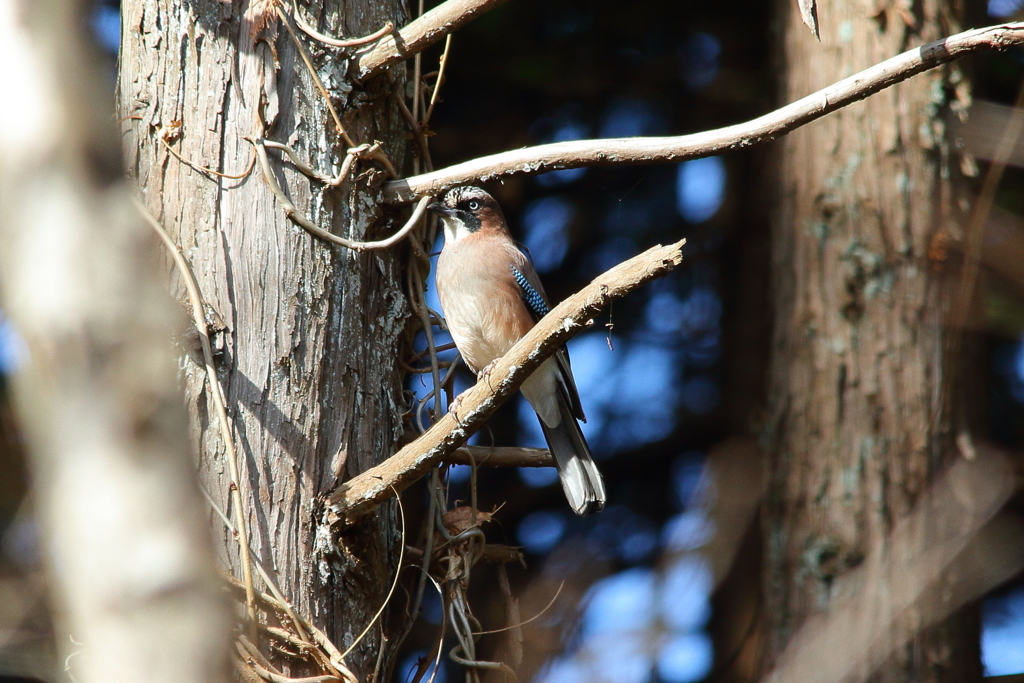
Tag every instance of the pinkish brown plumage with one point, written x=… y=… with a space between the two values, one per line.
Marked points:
x=480 y=297
x=487 y=288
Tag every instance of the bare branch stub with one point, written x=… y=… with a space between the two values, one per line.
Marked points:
x=363 y=493
x=501 y=456
x=579 y=153
x=809 y=14
x=420 y=34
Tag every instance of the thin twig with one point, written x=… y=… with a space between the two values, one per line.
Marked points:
x=246 y=648
x=512 y=615
x=982 y=209
x=438 y=82
x=421 y=371
x=467 y=644
x=417 y=134
x=579 y=153
x=443 y=347
x=204 y=169
x=434 y=393
x=247 y=673
x=438 y=641
x=478 y=664
x=375 y=151
x=309 y=226
x=361 y=494
x=199 y=318
x=398 y=572
x=428 y=549
x=428 y=332
x=261 y=668
x=286 y=637
x=417 y=76
x=420 y=34
x=324 y=643
x=306 y=169
x=289 y=610
x=336 y=42
x=538 y=615
x=312 y=72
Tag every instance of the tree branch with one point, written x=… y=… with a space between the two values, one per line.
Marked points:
x=579 y=153
x=363 y=493
x=501 y=456
x=420 y=34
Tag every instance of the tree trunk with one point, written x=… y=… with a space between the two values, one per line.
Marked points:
x=860 y=374
x=310 y=331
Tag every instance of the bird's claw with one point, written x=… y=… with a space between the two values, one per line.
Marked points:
x=487 y=370
x=453 y=407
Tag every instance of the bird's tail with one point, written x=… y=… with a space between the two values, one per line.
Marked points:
x=581 y=480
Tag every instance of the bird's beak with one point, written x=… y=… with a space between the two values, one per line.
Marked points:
x=438 y=207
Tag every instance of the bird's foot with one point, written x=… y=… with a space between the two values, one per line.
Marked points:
x=487 y=370
x=453 y=407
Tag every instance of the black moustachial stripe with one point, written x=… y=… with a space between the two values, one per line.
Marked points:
x=471 y=221
x=531 y=297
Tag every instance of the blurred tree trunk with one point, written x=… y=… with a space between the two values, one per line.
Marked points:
x=310 y=331
x=860 y=380
x=130 y=576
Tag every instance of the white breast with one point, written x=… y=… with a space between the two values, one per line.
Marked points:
x=468 y=316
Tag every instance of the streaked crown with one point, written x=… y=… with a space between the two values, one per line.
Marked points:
x=462 y=195
x=467 y=210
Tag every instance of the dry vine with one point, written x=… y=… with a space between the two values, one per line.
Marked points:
x=198 y=306
x=250 y=661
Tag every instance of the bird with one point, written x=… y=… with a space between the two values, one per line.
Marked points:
x=491 y=296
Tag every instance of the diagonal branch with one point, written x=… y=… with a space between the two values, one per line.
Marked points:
x=420 y=34
x=579 y=153
x=363 y=493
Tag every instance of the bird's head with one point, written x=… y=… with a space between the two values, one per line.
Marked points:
x=466 y=210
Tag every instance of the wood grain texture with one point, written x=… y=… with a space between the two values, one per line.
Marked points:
x=311 y=339
x=861 y=381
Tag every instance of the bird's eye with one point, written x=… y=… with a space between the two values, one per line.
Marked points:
x=473 y=205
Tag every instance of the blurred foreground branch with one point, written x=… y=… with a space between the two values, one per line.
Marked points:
x=578 y=153
x=128 y=548
x=950 y=550
x=361 y=494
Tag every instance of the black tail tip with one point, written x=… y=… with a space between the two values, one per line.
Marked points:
x=591 y=507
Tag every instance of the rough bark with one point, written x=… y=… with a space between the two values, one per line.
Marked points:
x=311 y=331
x=860 y=374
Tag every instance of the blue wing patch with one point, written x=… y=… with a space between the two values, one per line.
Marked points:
x=531 y=297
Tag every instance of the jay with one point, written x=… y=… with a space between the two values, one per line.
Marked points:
x=491 y=297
